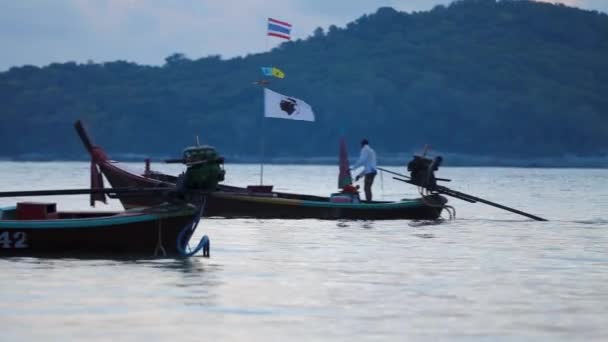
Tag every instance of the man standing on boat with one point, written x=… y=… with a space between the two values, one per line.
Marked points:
x=367 y=160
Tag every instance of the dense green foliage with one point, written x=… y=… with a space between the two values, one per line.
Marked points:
x=506 y=78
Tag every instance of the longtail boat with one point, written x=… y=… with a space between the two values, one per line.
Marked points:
x=255 y=201
x=38 y=229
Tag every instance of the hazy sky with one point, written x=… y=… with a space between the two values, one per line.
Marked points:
x=40 y=32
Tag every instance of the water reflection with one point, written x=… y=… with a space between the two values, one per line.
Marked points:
x=422 y=223
x=365 y=224
x=601 y=222
x=196 y=265
x=339 y=280
x=368 y=224
x=425 y=235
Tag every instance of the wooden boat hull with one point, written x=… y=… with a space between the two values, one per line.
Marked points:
x=144 y=233
x=235 y=205
x=236 y=202
x=233 y=202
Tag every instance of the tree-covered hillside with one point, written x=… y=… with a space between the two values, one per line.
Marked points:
x=482 y=77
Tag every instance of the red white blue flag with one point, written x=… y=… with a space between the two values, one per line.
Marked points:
x=277 y=28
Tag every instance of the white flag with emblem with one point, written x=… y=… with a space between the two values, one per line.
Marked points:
x=286 y=107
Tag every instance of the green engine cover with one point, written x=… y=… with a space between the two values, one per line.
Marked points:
x=204 y=170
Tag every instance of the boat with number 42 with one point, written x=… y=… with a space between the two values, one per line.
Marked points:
x=38 y=229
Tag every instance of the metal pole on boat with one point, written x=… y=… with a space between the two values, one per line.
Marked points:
x=407 y=177
x=473 y=199
x=392 y=173
x=84 y=191
x=262 y=138
x=262 y=151
x=84 y=136
x=461 y=195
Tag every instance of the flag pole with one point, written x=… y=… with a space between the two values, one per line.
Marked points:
x=262 y=157
x=263 y=119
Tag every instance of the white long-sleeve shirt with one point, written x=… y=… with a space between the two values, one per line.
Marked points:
x=367 y=159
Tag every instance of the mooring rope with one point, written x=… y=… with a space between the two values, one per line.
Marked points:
x=184 y=236
x=159 y=242
x=382 y=183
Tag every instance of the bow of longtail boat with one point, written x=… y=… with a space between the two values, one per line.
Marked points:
x=37 y=229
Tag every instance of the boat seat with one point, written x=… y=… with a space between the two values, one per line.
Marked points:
x=259 y=189
x=36 y=211
x=344 y=197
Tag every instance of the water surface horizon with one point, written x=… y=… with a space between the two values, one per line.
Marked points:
x=488 y=275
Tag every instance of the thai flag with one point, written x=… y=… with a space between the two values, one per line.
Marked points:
x=279 y=28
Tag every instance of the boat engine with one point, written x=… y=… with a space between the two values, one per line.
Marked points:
x=205 y=168
x=422 y=171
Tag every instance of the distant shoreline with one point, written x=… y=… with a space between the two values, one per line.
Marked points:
x=460 y=160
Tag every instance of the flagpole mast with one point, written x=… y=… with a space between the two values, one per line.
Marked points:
x=279 y=29
x=263 y=119
x=262 y=149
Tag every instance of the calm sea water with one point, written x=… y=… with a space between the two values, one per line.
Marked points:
x=488 y=275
